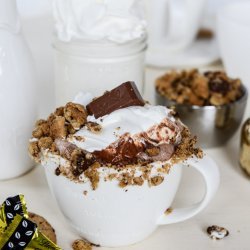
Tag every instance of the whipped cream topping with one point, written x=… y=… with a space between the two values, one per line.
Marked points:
x=142 y=141
x=154 y=122
x=117 y=21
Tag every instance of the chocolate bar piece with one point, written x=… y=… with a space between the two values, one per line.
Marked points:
x=122 y=96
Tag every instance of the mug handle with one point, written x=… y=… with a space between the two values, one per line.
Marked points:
x=178 y=12
x=210 y=172
x=181 y=13
x=165 y=14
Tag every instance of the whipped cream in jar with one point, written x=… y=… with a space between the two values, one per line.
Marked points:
x=98 y=44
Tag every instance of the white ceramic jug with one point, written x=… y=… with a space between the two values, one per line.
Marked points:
x=18 y=93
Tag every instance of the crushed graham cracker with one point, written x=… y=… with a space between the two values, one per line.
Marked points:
x=156 y=180
x=112 y=176
x=94 y=127
x=59 y=111
x=59 y=124
x=125 y=180
x=153 y=151
x=58 y=127
x=75 y=114
x=41 y=129
x=186 y=148
x=70 y=129
x=78 y=138
x=92 y=174
x=165 y=168
x=81 y=245
x=34 y=150
x=45 y=142
x=138 y=181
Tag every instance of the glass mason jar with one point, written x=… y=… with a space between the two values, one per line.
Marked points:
x=96 y=66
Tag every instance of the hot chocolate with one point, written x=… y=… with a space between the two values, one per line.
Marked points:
x=117 y=135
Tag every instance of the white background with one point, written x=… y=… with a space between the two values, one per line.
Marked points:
x=37 y=20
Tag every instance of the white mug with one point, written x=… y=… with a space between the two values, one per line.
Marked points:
x=233 y=28
x=173 y=24
x=111 y=216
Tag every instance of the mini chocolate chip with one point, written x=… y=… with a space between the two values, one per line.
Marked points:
x=82 y=163
x=57 y=171
x=219 y=86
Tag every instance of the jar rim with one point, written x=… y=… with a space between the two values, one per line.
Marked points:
x=99 y=49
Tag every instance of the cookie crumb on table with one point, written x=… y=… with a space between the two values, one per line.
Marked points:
x=43 y=226
x=168 y=211
x=81 y=245
x=217 y=232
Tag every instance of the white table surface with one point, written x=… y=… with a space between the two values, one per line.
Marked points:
x=229 y=208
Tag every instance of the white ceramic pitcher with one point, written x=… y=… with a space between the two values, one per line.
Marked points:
x=18 y=93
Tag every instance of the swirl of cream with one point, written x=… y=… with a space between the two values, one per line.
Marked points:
x=155 y=123
x=117 y=21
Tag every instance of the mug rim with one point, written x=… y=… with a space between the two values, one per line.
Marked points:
x=84 y=49
x=105 y=171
